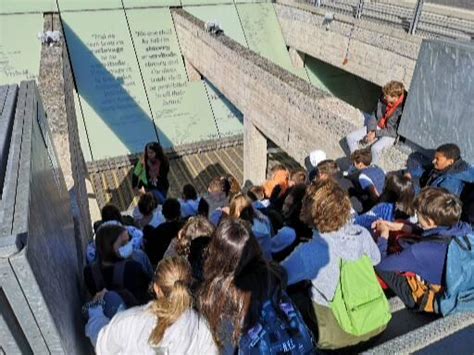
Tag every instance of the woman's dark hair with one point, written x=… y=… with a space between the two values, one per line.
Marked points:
x=111 y=212
x=160 y=155
x=400 y=191
x=105 y=239
x=297 y=193
x=237 y=279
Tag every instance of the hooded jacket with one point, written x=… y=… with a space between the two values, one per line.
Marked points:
x=319 y=260
x=452 y=179
x=128 y=333
x=424 y=258
x=392 y=123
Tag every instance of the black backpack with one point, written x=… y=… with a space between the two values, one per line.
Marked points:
x=117 y=281
x=280 y=330
x=467 y=199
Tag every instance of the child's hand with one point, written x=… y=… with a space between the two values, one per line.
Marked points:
x=370 y=136
x=382 y=228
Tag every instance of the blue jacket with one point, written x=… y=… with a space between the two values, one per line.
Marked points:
x=453 y=179
x=383 y=210
x=424 y=258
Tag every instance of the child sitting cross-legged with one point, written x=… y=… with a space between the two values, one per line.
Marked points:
x=415 y=274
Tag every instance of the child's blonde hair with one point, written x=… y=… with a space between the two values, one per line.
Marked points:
x=173 y=276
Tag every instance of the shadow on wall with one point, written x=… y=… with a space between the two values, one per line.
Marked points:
x=108 y=97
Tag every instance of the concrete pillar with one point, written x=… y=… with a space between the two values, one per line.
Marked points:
x=255 y=154
x=193 y=74
x=297 y=58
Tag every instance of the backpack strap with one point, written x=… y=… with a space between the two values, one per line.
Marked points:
x=118 y=277
x=97 y=276
x=467 y=244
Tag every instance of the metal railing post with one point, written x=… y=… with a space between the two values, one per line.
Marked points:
x=416 y=17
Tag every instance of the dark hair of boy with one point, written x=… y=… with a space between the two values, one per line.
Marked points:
x=400 y=191
x=363 y=156
x=299 y=176
x=256 y=193
x=111 y=213
x=171 y=209
x=328 y=167
x=438 y=205
x=146 y=204
x=450 y=151
x=189 y=192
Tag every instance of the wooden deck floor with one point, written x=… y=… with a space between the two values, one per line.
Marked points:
x=111 y=179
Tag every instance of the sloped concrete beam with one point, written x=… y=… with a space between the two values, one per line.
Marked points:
x=286 y=109
x=255 y=153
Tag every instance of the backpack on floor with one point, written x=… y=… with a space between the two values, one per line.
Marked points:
x=279 y=331
x=359 y=304
x=459 y=292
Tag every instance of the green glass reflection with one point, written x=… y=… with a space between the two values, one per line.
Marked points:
x=181 y=109
x=225 y=15
x=263 y=34
x=24 y=6
x=150 y=3
x=114 y=104
x=20 y=49
x=67 y=5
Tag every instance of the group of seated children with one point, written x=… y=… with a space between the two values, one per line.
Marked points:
x=290 y=266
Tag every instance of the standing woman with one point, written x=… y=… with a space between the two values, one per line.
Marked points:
x=151 y=172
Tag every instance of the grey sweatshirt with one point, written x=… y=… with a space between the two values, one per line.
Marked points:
x=319 y=259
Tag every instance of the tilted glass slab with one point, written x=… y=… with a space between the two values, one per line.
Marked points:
x=114 y=104
x=263 y=35
x=70 y=5
x=229 y=119
x=20 y=49
x=225 y=15
x=345 y=86
x=181 y=108
x=27 y=6
x=130 y=4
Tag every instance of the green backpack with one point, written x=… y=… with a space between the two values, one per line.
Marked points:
x=359 y=304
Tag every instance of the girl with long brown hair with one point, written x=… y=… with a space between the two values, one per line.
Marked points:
x=166 y=325
x=238 y=284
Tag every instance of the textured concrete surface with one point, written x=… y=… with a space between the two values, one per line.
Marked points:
x=42 y=260
x=56 y=85
x=367 y=49
x=255 y=154
x=437 y=110
x=292 y=113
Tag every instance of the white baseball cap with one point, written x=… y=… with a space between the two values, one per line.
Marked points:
x=316 y=157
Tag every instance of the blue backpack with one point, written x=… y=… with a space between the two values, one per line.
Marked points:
x=279 y=331
x=459 y=294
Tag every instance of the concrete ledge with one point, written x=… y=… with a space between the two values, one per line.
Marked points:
x=373 y=51
x=286 y=109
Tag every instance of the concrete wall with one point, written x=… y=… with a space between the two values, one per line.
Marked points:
x=56 y=85
x=40 y=283
x=374 y=52
x=295 y=115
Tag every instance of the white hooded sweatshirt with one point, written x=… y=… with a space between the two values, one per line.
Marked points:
x=128 y=333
